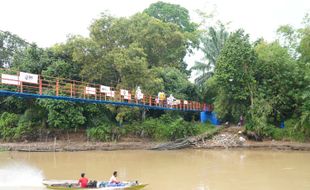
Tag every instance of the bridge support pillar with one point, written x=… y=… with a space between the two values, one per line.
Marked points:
x=206 y=116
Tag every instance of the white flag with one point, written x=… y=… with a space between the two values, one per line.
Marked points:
x=124 y=92
x=90 y=90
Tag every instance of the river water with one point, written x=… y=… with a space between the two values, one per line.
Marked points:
x=163 y=170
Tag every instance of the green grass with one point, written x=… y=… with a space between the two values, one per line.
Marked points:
x=207 y=128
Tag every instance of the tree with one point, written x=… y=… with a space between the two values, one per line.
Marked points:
x=161 y=44
x=204 y=71
x=132 y=67
x=304 y=46
x=176 y=83
x=179 y=16
x=172 y=13
x=278 y=78
x=33 y=59
x=234 y=76
x=10 y=45
x=70 y=58
x=289 y=38
x=296 y=40
x=62 y=114
x=213 y=41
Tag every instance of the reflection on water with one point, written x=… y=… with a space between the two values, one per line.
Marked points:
x=171 y=170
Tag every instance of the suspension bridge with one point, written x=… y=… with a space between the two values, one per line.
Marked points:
x=29 y=85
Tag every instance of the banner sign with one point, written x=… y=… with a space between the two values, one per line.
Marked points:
x=128 y=97
x=90 y=90
x=111 y=94
x=28 y=77
x=10 y=79
x=124 y=92
x=105 y=89
x=140 y=96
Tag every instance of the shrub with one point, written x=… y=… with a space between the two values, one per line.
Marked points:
x=8 y=124
x=105 y=132
x=167 y=127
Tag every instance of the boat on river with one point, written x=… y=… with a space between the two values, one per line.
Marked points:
x=73 y=185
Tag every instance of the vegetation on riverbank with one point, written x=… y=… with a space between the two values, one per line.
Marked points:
x=265 y=82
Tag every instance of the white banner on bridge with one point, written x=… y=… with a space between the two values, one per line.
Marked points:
x=124 y=92
x=10 y=79
x=90 y=90
x=127 y=97
x=177 y=102
x=105 y=89
x=139 y=96
x=111 y=94
x=28 y=77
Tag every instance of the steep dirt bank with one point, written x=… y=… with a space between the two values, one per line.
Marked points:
x=228 y=138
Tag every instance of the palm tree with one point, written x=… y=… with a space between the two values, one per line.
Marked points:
x=213 y=41
x=204 y=70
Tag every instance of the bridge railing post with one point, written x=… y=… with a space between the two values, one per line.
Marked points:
x=57 y=89
x=21 y=86
x=71 y=90
x=40 y=86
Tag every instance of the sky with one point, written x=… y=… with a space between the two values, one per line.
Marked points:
x=46 y=22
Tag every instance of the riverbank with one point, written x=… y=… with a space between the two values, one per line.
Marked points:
x=63 y=146
x=226 y=139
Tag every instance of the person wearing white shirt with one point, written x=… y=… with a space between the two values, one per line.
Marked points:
x=113 y=178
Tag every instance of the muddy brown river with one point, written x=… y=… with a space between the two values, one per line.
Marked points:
x=163 y=170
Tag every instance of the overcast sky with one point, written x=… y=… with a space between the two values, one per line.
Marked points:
x=47 y=22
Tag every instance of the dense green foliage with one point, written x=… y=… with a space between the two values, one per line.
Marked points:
x=167 y=127
x=265 y=82
x=142 y=50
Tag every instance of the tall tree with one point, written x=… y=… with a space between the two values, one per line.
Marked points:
x=213 y=41
x=172 y=13
x=162 y=44
x=10 y=45
x=33 y=59
x=234 y=76
x=304 y=46
x=278 y=78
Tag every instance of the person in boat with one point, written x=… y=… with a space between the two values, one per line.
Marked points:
x=113 y=178
x=83 y=181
